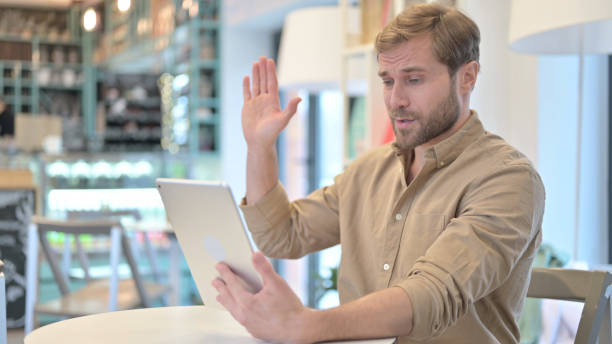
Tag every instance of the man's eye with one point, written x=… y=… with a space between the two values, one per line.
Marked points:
x=387 y=82
x=414 y=80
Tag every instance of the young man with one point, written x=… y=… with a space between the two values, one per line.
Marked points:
x=438 y=230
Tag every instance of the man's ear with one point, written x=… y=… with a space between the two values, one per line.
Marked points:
x=468 y=73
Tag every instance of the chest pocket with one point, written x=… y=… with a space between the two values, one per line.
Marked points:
x=420 y=231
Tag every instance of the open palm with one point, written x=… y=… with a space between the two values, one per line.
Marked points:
x=262 y=117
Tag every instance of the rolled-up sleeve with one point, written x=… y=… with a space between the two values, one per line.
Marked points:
x=284 y=229
x=498 y=218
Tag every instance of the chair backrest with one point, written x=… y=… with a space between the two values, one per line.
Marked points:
x=591 y=287
x=107 y=215
x=103 y=214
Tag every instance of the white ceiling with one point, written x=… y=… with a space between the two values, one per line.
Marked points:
x=252 y=14
x=264 y=14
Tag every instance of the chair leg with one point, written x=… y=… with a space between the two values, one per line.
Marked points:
x=134 y=245
x=67 y=256
x=150 y=251
x=115 y=255
x=82 y=258
x=2 y=309
x=31 y=277
x=127 y=251
x=605 y=331
x=60 y=277
x=152 y=257
x=595 y=309
x=175 y=271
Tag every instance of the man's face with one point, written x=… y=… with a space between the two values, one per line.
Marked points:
x=421 y=98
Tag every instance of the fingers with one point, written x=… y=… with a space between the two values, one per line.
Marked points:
x=225 y=297
x=263 y=75
x=255 y=73
x=292 y=107
x=233 y=283
x=246 y=89
x=272 y=80
x=264 y=78
x=264 y=268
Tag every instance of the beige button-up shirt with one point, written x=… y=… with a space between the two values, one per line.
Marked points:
x=459 y=239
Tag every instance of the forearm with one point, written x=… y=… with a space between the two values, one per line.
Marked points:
x=262 y=172
x=386 y=313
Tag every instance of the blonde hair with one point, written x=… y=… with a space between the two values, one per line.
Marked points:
x=455 y=37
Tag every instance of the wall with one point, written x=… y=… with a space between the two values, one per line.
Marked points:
x=240 y=48
x=264 y=14
x=505 y=96
x=558 y=89
x=247 y=34
x=532 y=102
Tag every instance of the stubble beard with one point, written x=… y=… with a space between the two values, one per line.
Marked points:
x=438 y=121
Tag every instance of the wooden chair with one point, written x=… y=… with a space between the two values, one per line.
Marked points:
x=591 y=287
x=97 y=296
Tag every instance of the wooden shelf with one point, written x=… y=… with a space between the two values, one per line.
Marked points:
x=76 y=88
x=23 y=83
x=76 y=66
x=208 y=102
x=8 y=38
x=209 y=24
x=143 y=117
x=213 y=120
x=209 y=64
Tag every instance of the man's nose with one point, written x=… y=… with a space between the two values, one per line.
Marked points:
x=399 y=97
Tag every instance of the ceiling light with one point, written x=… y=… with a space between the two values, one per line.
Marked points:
x=90 y=19
x=124 y=5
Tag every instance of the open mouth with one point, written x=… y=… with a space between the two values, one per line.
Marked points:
x=403 y=123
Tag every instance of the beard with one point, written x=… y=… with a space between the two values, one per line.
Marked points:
x=429 y=126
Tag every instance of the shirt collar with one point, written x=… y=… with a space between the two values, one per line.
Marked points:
x=446 y=151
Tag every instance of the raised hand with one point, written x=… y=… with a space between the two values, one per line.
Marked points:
x=262 y=117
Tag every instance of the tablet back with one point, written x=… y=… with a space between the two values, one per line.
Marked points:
x=206 y=222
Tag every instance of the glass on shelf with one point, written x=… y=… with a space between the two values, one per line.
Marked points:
x=209 y=9
x=206 y=138
x=207 y=45
x=205 y=114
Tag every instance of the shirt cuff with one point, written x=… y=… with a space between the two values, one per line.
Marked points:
x=424 y=326
x=272 y=208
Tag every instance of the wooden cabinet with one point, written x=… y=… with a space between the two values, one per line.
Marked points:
x=184 y=53
x=41 y=66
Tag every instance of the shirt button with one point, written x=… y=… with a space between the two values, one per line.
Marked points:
x=386 y=267
x=398 y=217
x=441 y=163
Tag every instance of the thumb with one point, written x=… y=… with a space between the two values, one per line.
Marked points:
x=264 y=267
x=292 y=107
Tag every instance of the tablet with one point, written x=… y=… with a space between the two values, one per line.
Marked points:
x=209 y=229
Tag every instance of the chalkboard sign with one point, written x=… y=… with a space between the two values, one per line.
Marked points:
x=16 y=210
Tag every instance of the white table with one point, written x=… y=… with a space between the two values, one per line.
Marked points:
x=185 y=325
